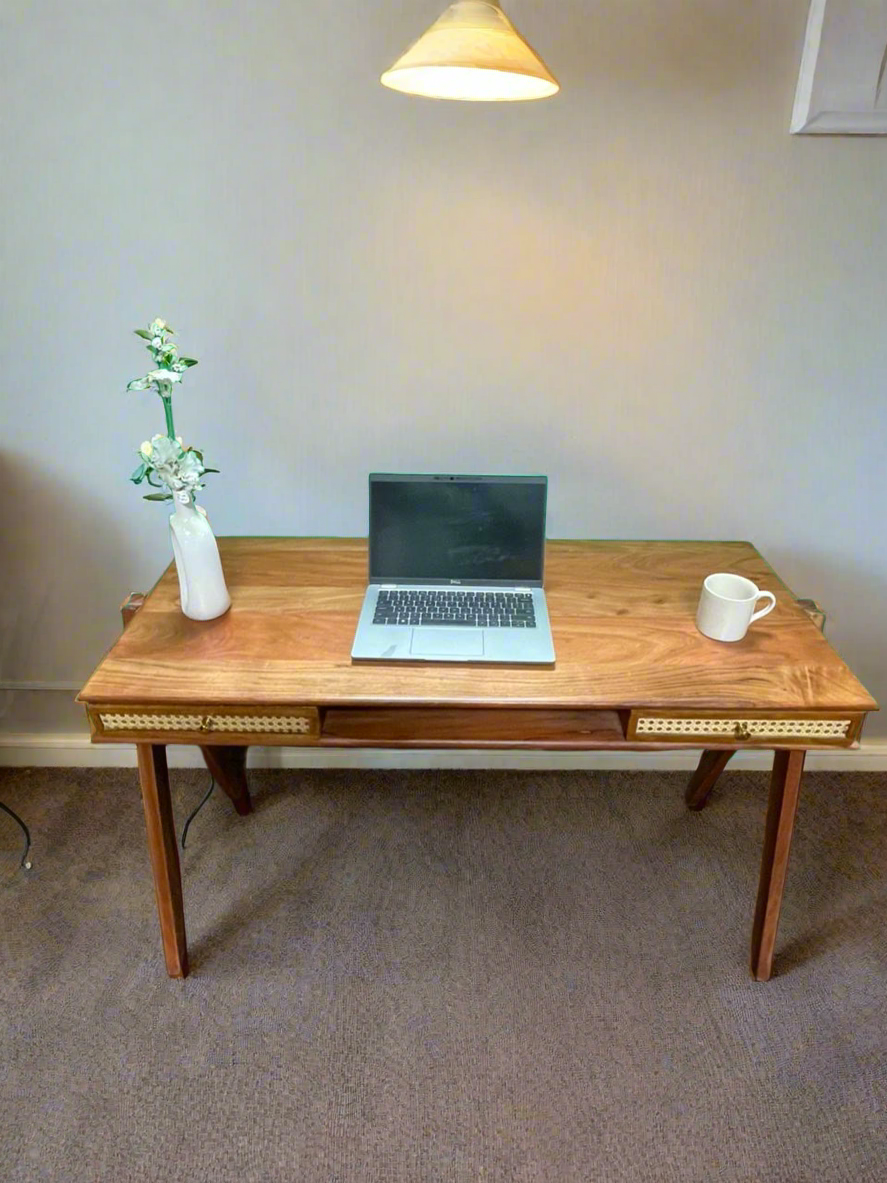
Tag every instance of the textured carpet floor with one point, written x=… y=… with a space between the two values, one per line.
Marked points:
x=443 y=976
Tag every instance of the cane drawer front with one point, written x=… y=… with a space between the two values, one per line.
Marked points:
x=741 y=728
x=206 y=725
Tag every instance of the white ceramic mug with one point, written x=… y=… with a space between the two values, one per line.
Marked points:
x=727 y=606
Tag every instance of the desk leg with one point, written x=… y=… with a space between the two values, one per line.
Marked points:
x=163 y=849
x=228 y=767
x=711 y=765
x=785 y=787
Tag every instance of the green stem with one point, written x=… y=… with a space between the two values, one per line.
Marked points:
x=167 y=407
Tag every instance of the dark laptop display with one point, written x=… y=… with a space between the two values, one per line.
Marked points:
x=457 y=529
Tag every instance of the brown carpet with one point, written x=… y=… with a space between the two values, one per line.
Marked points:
x=443 y=976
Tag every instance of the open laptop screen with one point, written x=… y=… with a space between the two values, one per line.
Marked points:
x=470 y=529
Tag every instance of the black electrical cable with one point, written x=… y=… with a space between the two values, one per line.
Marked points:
x=27 y=833
x=212 y=785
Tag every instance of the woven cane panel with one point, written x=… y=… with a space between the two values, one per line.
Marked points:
x=253 y=724
x=117 y=722
x=279 y=724
x=755 y=728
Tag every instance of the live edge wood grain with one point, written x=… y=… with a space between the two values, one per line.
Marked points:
x=622 y=616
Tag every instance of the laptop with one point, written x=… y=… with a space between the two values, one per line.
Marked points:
x=455 y=571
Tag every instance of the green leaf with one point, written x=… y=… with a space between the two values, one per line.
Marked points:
x=188 y=361
x=197 y=453
x=139 y=475
x=210 y=469
x=157 y=497
x=138 y=384
x=143 y=333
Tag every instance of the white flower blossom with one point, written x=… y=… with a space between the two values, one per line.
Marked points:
x=164 y=451
x=164 y=376
x=146 y=449
x=178 y=469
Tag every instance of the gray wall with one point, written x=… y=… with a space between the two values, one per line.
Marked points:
x=643 y=287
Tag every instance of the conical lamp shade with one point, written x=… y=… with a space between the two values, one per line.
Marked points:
x=472 y=52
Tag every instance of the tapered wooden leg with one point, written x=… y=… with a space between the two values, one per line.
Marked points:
x=228 y=766
x=711 y=765
x=785 y=787
x=162 y=847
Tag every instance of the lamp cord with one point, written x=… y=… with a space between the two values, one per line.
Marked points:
x=27 y=833
x=194 y=812
x=23 y=862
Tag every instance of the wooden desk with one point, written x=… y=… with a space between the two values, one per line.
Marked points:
x=632 y=672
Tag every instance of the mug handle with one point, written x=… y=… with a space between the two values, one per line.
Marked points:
x=769 y=608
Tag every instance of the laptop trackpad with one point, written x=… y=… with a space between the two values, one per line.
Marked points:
x=447 y=642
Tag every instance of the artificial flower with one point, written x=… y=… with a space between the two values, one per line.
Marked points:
x=164 y=460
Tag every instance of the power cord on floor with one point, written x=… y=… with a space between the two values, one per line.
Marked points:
x=209 y=792
x=27 y=833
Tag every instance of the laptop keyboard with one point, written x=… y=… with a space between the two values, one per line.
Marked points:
x=456 y=608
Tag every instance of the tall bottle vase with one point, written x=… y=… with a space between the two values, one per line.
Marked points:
x=202 y=586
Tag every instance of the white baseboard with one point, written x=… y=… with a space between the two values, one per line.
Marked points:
x=76 y=751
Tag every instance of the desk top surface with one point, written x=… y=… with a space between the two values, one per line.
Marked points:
x=622 y=616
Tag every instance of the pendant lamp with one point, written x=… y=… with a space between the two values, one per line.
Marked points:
x=474 y=53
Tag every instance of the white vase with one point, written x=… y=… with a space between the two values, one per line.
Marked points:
x=204 y=593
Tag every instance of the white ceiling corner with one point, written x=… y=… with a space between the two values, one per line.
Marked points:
x=842 y=88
